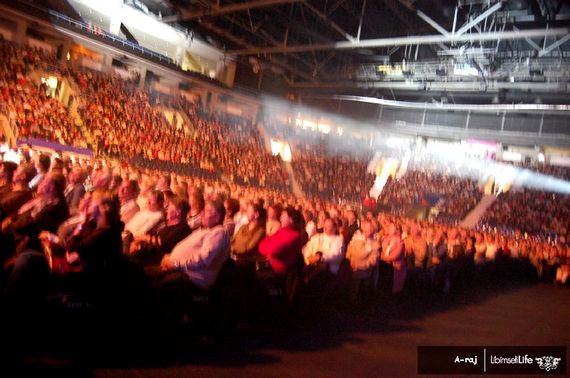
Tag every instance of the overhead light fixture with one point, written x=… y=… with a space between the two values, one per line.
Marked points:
x=390 y=70
x=464 y=51
x=464 y=69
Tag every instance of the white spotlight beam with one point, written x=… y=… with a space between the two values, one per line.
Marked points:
x=403 y=41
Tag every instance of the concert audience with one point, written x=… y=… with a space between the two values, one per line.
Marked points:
x=222 y=194
x=532 y=212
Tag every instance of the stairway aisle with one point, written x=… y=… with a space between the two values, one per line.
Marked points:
x=477 y=213
x=295 y=186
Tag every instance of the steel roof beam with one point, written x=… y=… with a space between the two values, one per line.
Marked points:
x=556 y=44
x=246 y=44
x=329 y=22
x=267 y=38
x=431 y=22
x=409 y=4
x=480 y=18
x=402 y=41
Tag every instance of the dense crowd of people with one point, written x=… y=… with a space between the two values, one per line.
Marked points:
x=325 y=165
x=131 y=213
x=33 y=111
x=455 y=195
x=332 y=175
x=533 y=212
x=124 y=122
x=176 y=235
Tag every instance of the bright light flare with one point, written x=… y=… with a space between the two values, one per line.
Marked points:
x=469 y=159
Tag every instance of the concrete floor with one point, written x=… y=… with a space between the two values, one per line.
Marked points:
x=379 y=339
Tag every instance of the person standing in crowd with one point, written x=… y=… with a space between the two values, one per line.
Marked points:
x=273 y=215
x=283 y=249
x=75 y=189
x=480 y=249
x=363 y=253
x=43 y=163
x=492 y=248
x=311 y=227
x=437 y=259
x=369 y=203
x=393 y=253
x=321 y=218
x=563 y=271
x=419 y=248
x=352 y=225
x=326 y=247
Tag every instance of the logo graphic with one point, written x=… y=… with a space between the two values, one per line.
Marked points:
x=547 y=362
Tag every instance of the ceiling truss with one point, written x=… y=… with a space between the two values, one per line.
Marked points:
x=315 y=42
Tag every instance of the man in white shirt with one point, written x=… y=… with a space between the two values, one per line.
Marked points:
x=146 y=219
x=326 y=246
x=128 y=192
x=200 y=256
x=240 y=219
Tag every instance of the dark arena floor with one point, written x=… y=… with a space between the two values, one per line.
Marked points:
x=378 y=338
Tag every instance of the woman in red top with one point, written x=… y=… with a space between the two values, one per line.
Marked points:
x=283 y=249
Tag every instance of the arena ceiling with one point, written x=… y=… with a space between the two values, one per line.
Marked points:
x=389 y=48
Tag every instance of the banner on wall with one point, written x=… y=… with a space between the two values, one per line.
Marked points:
x=50 y=145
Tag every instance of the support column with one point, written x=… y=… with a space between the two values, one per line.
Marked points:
x=214 y=102
x=142 y=77
x=230 y=74
x=108 y=62
x=20 y=33
x=65 y=49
